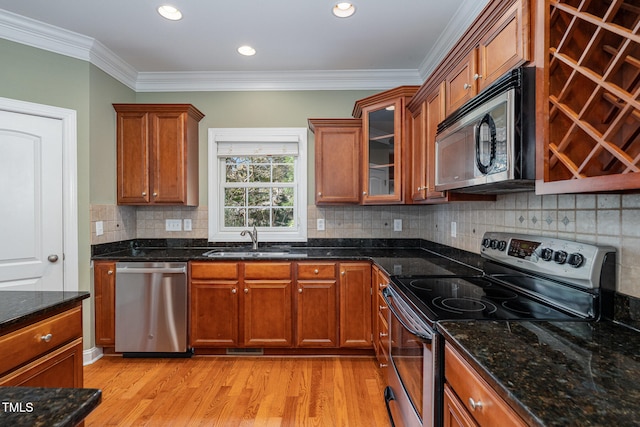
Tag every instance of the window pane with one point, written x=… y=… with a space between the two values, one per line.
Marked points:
x=259 y=217
x=259 y=197
x=282 y=217
x=257 y=159
x=234 y=196
x=283 y=196
x=259 y=173
x=283 y=159
x=234 y=217
x=236 y=172
x=283 y=173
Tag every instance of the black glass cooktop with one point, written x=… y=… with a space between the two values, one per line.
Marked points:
x=472 y=298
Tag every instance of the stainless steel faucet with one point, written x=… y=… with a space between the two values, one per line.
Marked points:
x=254 y=237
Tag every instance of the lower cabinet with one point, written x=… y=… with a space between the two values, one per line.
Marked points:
x=47 y=353
x=355 y=304
x=469 y=399
x=316 y=304
x=104 y=296
x=379 y=281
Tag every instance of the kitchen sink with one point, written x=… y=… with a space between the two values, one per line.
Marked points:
x=217 y=253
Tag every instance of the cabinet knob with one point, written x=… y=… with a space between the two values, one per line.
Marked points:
x=110 y=272
x=144 y=193
x=475 y=405
x=234 y=290
x=155 y=194
x=299 y=290
x=343 y=273
x=467 y=86
x=319 y=193
x=364 y=193
x=246 y=291
x=46 y=338
x=316 y=271
x=383 y=365
x=477 y=76
x=383 y=307
x=383 y=335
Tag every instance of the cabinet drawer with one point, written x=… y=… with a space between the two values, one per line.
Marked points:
x=469 y=386
x=267 y=270
x=214 y=270
x=316 y=270
x=31 y=341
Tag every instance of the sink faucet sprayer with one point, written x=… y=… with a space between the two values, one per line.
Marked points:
x=254 y=236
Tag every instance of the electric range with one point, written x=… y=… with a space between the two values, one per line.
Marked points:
x=524 y=277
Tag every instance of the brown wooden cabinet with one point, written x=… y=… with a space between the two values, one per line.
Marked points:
x=214 y=304
x=104 y=296
x=588 y=88
x=355 y=304
x=44 y=353
x=384 y=134
x=267 y=308
x=337 y=160
x=460 y=83
x=471 y=397
x=316 y=304
x=157 y=153
x=380 y=319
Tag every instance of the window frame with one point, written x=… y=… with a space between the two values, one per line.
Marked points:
x=255 y=137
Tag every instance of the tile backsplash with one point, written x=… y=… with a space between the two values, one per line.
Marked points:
x=607 y=219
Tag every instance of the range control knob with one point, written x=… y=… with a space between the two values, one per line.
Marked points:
x=502 y=245
x=576 y=260
x=546 y=254
x=494 y=244
x=560 y=257
x=486 y=242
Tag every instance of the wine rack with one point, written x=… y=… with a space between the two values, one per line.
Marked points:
x=594 y=96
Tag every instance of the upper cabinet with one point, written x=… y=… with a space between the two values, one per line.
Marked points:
x=337 y=160
x=385 y=128
x=157 y=151
x=588 y=88
x=460 y=83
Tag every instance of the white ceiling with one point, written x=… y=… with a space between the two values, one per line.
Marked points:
x=298 y=41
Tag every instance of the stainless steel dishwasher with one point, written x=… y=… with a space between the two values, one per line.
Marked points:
x=151 y=308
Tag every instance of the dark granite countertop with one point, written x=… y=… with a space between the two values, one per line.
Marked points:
x=557 y=373
x=18 y=307
x=46 y=407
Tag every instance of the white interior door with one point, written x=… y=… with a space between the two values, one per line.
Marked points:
x=31 y=209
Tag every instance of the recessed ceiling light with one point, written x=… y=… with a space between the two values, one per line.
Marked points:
x=170 y=13
x=246 y=50
x=344 y=9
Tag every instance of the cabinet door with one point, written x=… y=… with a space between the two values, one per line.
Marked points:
x=379 y=311
x=461 y=83
x=168 y=140
x=214 y=313
x=355 y=304
x=133 y=158
x=337 y=160
x=419 y=157
x=267 y=313
x=455 y=414
x=382 y=153
x=317 y=313
x=434 y=111
x=104 y=285
x=505 y=46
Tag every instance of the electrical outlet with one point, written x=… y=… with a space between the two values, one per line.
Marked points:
x=320 y=224
x=454 y=229
x=186 y=224
x=397 y=225
x=173 y=225
x=99 y=228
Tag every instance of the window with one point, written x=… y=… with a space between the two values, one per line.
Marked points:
x=258 y=177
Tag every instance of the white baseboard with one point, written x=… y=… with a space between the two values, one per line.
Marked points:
x=91 y=355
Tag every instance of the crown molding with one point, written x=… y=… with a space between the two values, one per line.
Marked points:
x=272 y=80
x=468 y=11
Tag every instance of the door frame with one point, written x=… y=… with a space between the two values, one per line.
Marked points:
x=69 y=179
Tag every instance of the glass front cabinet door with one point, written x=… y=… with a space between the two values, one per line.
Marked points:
x=384 y=135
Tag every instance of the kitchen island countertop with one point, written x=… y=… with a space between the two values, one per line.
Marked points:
x=556 y=373
x=19 y=307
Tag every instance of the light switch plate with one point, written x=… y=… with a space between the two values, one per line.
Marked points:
x=397 y=225
x=187 y=224
x=173 y=224
x=99 y=228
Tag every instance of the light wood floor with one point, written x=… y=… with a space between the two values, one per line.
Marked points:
x=237 y=391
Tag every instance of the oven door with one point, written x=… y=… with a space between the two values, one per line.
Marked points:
x=411 y=390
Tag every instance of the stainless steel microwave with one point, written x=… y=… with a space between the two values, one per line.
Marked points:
x=488 y=144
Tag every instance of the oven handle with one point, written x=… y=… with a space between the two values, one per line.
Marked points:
x=427 y=338
x=388 y=397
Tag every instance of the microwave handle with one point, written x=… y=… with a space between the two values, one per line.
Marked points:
x=488 y=120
